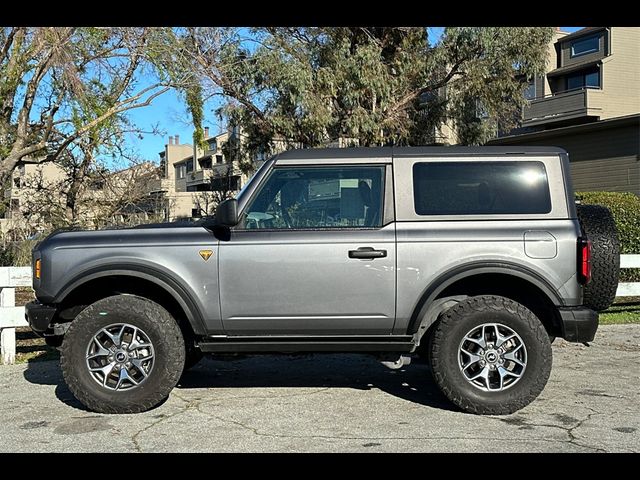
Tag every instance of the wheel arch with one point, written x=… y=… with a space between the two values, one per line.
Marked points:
x=513 y=281
x=97 y=283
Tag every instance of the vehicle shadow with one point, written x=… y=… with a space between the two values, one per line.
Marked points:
x=363 y=372
x=412 y=383
x=49 y=373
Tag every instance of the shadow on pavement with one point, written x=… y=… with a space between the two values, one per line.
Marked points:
x=412 y=383
x=48 y=373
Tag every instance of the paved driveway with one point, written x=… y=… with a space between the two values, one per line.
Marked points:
x=337 y=403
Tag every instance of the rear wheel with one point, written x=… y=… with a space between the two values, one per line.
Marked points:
x=490 y=355
x=122 y=354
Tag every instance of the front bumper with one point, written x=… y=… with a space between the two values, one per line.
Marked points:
x=579 y=324
x=39 y=316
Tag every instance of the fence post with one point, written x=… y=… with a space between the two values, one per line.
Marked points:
x=8 y=335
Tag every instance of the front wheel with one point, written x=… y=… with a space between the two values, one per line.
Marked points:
x=490 y=355
x=122 y=354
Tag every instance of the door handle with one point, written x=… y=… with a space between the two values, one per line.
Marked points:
x=367 y=253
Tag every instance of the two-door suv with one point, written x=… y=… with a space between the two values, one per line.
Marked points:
x=472 y=257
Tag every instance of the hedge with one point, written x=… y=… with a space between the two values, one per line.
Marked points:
x=625 y=208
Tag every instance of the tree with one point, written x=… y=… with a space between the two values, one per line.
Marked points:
x=378 y=85
x=64 y=88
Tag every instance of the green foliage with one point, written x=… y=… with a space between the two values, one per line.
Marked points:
x=625 y=208
x=309 y=86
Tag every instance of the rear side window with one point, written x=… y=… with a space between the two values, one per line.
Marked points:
x=477 y=188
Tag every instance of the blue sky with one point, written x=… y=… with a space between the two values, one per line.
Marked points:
x=168 y=112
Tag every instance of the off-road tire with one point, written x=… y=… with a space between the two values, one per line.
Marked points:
x=600 y=227
x=456 y=322
x=164 y=334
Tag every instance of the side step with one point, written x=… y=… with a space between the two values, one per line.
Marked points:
x=401 y=344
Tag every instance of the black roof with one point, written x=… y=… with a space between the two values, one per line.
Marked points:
x=365 y=152
x=580 y=33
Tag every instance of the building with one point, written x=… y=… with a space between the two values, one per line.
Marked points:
x=191 y=189
x=36 y=198
x=588 y=102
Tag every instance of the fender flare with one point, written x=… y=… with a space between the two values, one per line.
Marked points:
x=422 y=318
x=153 y=275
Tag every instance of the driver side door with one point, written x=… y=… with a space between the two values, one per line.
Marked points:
x=312 y=255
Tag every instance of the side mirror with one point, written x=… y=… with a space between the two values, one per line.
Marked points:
x=227 y=213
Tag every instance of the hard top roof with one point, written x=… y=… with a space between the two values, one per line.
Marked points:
x=381 y=152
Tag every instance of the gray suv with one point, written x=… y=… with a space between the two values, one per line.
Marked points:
x=472 y=258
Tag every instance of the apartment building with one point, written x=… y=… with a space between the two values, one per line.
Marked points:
x=35 y=198
x=191 y=189
x=588 y=102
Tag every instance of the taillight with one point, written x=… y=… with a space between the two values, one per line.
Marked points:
x=584 y=260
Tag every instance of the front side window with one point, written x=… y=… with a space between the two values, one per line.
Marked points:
x=585 y=46
x=309 y=198
x=477 y=188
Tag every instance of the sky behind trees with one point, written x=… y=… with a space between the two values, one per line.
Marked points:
x=169 y=113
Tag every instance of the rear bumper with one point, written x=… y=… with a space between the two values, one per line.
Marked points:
x=579 y=324
x=39 y=316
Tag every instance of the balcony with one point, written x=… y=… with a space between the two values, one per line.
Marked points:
x=160 y=185
x=560 y=107
x=199 y=176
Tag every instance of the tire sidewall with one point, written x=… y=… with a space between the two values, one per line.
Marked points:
x=447 y=360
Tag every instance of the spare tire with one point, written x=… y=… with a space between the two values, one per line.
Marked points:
x=599 y=226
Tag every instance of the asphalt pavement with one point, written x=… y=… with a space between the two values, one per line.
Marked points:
x=336 y=403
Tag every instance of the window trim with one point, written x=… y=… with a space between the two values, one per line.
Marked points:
x=386 y=217
x=584 y=39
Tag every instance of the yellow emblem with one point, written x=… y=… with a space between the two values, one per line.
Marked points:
x=206 y=254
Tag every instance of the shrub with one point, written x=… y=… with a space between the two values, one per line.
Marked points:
x=625 y=208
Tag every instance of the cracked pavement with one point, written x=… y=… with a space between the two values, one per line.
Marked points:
x=336 y=403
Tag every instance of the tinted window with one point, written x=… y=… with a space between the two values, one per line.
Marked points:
x=585 y=45
x=331 y=197
x=589 y=78
x=475 y=188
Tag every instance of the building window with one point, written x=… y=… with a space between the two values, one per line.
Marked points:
x=588 y=79
x=195 y=213
x=181 y=171
x=530 y=91
x=16 y=182
x=585 y=46
x=189 y=166
x=218 y=158
x=205 y=163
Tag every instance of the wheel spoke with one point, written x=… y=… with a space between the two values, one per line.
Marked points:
x=124 y=375
x=101 y=352
x=473 y=358
x=511 y=356
x=136 y=362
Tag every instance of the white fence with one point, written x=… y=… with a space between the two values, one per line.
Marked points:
x=12 y=316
